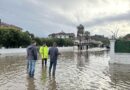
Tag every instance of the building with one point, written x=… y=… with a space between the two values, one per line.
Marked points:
x=62 y=35
x=84 y=40
x=5 y=25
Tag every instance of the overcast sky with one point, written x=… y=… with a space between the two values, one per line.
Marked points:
x=43 y=17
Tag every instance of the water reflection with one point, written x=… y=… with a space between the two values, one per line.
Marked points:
x=12 y=72
x=75 y=71
x=9 y=63
x=120 y=76
x=86 y=57
x=52 y=84
x=44 y=75
x=31 y=84
x=82 y=58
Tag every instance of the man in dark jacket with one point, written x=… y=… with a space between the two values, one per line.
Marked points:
x=32 y=57
x=53 y=52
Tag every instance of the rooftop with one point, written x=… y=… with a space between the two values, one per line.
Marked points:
x=3 y=24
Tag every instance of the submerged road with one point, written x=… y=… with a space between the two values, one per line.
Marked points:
x=75 y=71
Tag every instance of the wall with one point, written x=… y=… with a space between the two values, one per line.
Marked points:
x=118 y=58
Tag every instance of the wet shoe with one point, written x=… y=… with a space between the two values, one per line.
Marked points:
x=32 y=75
x=29 y=75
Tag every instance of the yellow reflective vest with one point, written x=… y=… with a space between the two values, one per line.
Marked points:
x=44 y=52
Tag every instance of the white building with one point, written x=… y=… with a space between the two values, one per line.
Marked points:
x=62 y=35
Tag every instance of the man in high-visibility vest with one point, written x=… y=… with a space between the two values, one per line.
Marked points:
x=44 y=54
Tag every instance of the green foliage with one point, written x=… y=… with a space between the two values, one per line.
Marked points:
x=25 y=39
x=38 y=41
x=60 y=42
x=122 y=46
x=12 y=38
x=127 y=36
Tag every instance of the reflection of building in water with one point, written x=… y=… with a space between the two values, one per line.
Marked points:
x=83 y=40
x=86 y=54
x=81 y=58
x=31 y=84
x=120 y=76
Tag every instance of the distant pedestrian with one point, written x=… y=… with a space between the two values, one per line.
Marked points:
x=44 y=54
x=32 y=57
x=53 y=52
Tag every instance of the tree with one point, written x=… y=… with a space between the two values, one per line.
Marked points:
x=38 y=41
x=25 y=39
x=80 y=30
x=13 y=38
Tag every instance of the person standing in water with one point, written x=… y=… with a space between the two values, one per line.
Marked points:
x=53 y=52
x=32 y=57
x=44 y=54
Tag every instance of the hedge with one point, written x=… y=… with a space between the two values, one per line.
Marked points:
x=122 y=46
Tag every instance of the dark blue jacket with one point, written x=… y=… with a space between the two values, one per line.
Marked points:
x=53 y=52
x=32 y=52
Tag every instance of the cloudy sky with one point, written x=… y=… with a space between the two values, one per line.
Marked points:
x=43 y=17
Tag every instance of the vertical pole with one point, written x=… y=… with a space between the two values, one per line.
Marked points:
x=112 y=47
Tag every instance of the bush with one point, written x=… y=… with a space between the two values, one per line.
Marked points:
x=60 y=42
x=13 y=38
x=122 y=46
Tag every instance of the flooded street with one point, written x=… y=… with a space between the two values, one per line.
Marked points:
x=75 y=71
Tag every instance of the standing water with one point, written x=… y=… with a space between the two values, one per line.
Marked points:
x=75 y=71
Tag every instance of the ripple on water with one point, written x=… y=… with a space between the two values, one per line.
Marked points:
x=75 y=71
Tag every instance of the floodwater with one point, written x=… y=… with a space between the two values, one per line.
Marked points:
x=75 y=71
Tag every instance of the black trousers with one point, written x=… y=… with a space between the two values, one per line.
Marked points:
x=52 y=64
x=44 y=61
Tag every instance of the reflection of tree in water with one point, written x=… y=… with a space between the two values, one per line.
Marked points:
x=31 y=84
x=80 y=60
